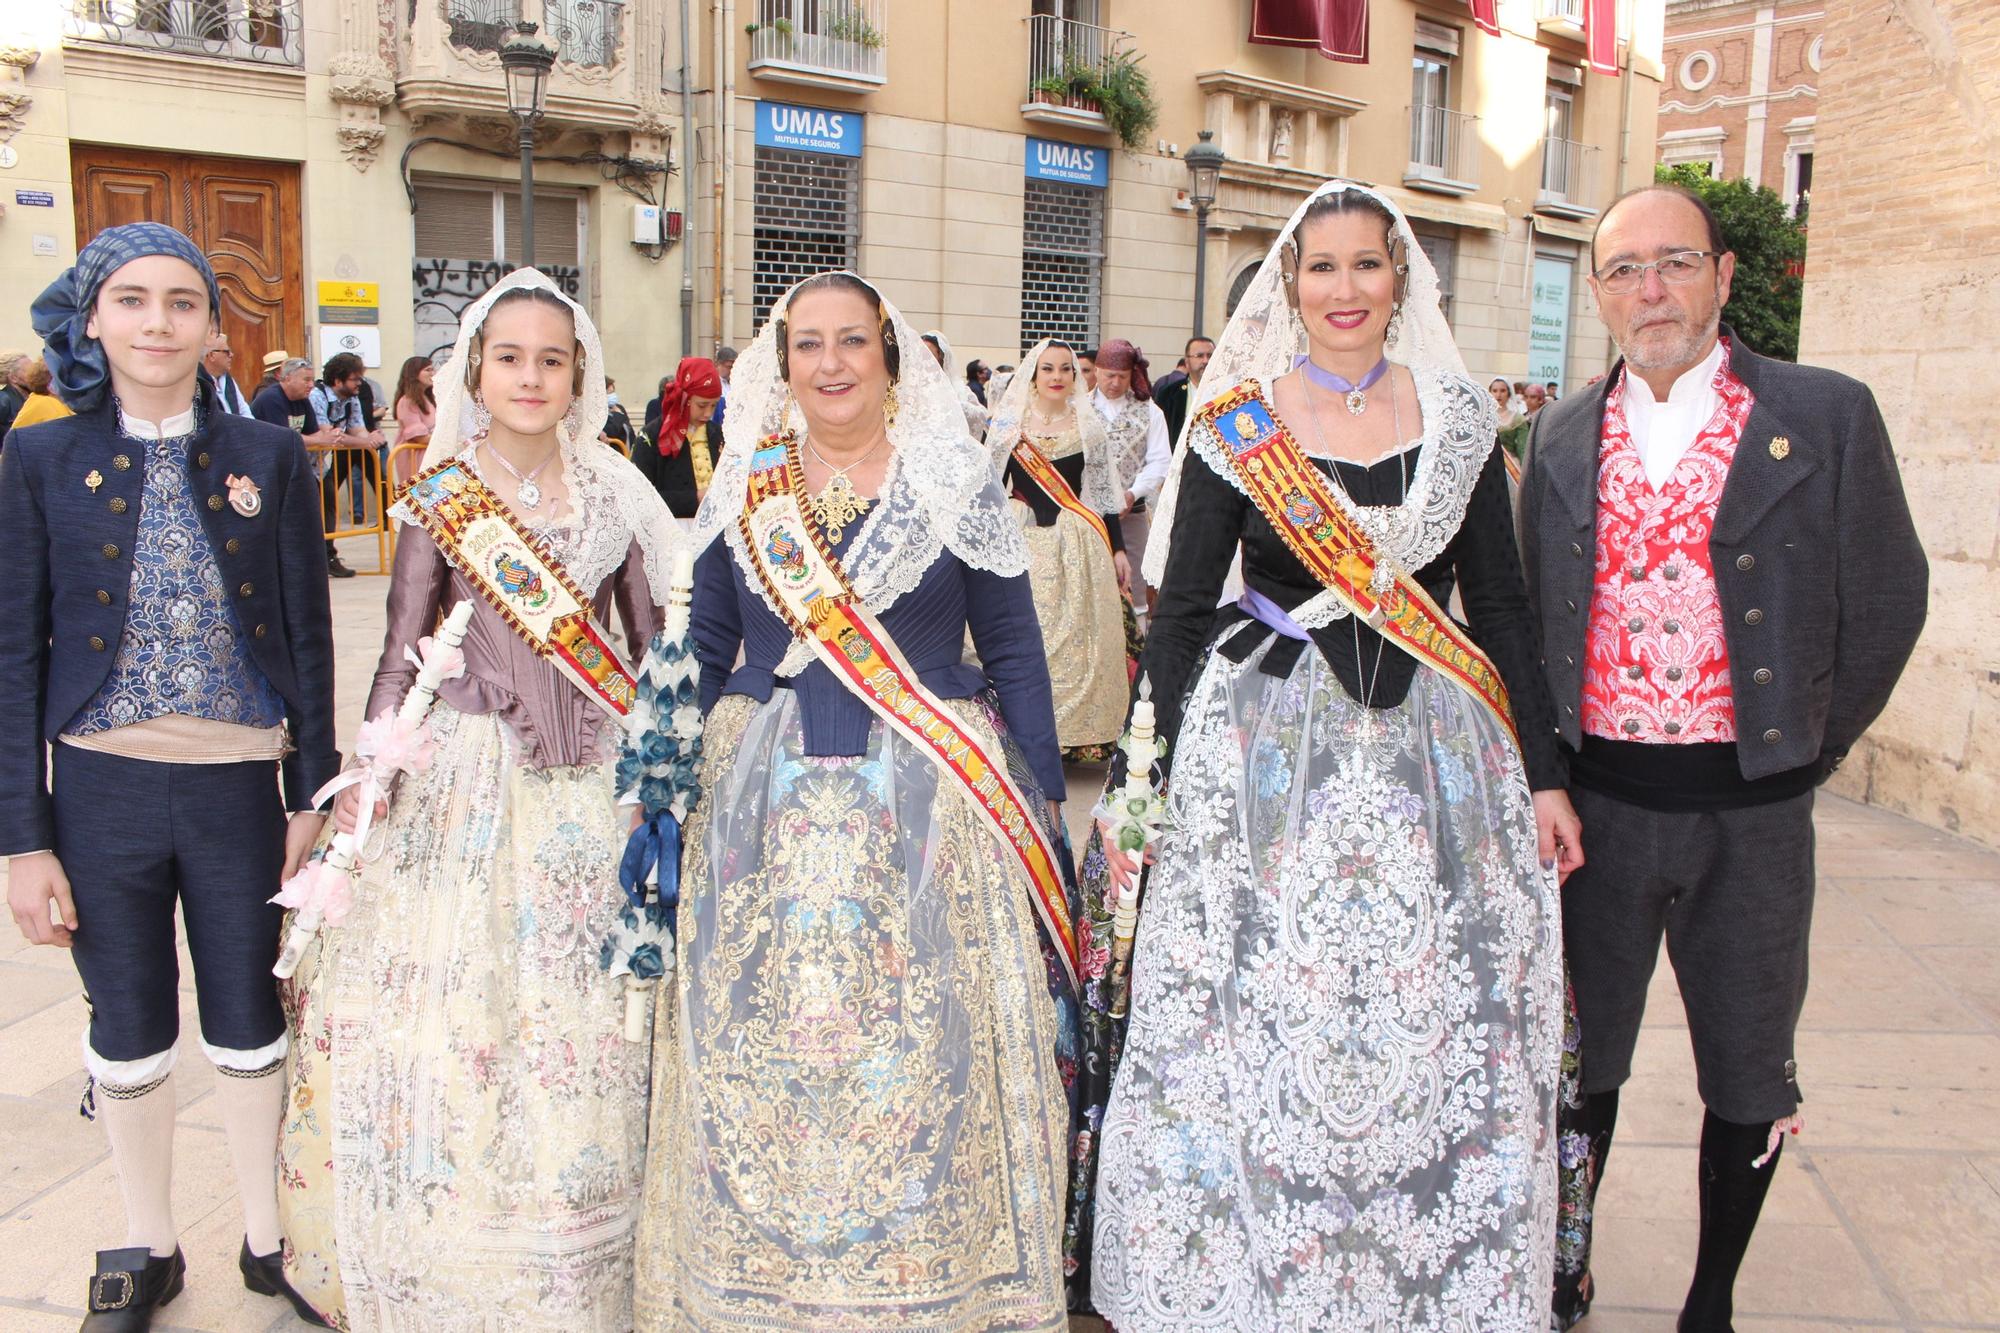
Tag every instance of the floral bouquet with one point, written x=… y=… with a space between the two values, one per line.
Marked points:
x=658 y=767
x=389 y=745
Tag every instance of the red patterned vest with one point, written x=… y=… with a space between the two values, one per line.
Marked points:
x=1657 y=668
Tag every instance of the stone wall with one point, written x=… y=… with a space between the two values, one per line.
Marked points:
x=1903 y=291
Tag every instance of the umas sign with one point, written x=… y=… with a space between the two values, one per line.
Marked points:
x=1073 y=164
x=808 y=129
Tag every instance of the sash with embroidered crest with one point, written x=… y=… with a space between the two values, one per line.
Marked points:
x=1043 y=473
x=1297 y=500
x=806 y=582
x=534 y=594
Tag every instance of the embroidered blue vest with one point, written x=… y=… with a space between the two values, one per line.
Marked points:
x=182 y=651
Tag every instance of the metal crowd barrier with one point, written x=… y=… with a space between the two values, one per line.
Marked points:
x=364 y=478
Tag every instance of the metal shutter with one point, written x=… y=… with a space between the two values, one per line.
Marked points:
x=808 y=220
x=1062 y=263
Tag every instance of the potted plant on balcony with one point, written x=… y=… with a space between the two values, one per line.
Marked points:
x=1124 y=93
x=848 y=23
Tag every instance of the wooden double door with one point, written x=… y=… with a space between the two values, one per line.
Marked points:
x=243 y=213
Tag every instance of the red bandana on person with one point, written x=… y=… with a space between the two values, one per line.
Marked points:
x=1118 y=354
x=696 y=378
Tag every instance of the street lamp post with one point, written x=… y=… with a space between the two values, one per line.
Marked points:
x=1204 y=164
x=526 y=60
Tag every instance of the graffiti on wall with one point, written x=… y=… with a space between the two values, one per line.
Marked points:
x=446 y=288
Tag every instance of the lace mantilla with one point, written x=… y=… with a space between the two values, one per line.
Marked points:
x=601 y=482
x=1100 y=491
x=1263 y=341
x=1458 y=435
x=938 y=494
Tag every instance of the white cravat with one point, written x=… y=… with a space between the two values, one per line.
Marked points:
x=1663 y=432
x=181 y=423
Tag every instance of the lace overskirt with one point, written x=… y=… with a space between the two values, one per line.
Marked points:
x=1083 y=627
x=858 y=1120
x=1335 y=1107
x=465 y=1064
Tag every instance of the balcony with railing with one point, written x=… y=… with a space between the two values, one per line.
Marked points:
x=821 y=43
x=265 y=32
x=608 y=53
x=1444 y=151
x=1569 y=179
x=1067 y=62
x=1560 y=18
x=585 y=31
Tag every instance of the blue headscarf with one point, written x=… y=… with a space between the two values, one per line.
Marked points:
x=77 y=369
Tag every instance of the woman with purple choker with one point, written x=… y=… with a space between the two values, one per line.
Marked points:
x=1335 y=1106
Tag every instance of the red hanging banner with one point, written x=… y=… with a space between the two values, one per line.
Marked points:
x=1486 y=16
x=1600 y=35
x=1337 y=28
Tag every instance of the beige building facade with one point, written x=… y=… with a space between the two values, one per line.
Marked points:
x=1903 y=292
x=359 y=151
x=1000 y=212
x=1742 y=90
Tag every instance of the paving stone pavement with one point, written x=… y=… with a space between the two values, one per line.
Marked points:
x=1884 y=1215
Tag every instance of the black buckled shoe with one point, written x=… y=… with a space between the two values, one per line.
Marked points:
x=129 y=1285
x=265 y=1275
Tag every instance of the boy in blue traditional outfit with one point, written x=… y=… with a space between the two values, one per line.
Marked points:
x=167 y=651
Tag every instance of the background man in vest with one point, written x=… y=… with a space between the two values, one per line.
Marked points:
x=1728 y=585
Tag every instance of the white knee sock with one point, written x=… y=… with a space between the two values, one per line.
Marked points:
x=139 y=1121
x=252 y=1105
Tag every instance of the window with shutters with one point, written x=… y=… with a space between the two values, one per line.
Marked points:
x=468 y=221
x=808 y=220
x=1442 y=250
x=468 y=238
x=1062 y=262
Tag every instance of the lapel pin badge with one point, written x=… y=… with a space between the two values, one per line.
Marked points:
x=93 y=479
x=243 y=495
x=1781 y=447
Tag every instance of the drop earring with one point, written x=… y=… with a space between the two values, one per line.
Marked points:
x=482 y=419
x=1395 y=324
x=889 y=406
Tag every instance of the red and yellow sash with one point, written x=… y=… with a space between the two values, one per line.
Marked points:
x=483 y=540
x=1043 y=473
x=1295 y=499
x=804 y=579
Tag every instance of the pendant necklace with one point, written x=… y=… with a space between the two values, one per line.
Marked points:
x=838 y=503
x=1356 y=390
x=1378 y=584
x=525 y=488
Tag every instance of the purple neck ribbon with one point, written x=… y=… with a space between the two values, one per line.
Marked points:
x=1326 y=379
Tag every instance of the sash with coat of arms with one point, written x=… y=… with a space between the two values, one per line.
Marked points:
x=1298 y=502
x=1044 y=474
x=804 y=580
x=534 y=594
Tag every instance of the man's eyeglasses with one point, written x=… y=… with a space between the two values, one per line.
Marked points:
x=1676 y=270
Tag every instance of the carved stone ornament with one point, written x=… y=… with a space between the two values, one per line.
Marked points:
x=15 y=62
x=360 y=143
x=361 y=85
x=357 y=79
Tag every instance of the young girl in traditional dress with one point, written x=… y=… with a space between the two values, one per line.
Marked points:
x=462 y=1060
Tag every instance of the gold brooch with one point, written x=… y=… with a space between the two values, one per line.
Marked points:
x=93 y=479
x=1781 y=447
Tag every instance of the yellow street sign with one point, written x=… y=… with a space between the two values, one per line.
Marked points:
x=351 y=295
